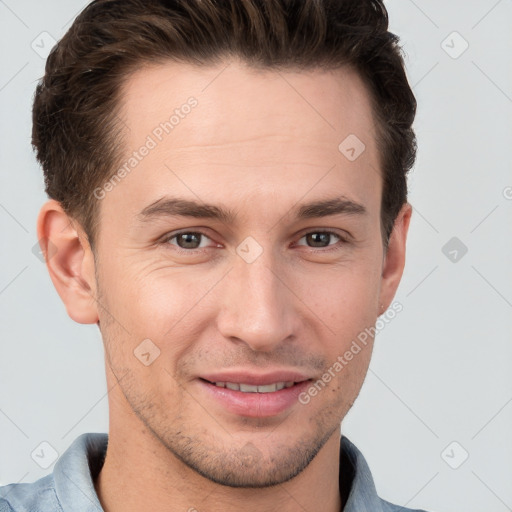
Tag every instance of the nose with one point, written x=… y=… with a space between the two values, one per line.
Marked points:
x=257 y=306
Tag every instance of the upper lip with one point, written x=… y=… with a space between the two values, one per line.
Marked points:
x=256 y=379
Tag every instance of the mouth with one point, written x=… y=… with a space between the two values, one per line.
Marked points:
x=253 y=400
x=252 y=388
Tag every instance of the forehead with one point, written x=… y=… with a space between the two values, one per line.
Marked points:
x=247 y=130
x=233 y=95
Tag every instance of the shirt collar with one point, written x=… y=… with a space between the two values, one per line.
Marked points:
x=74 y=472
x=79 y=465
x=356 y=480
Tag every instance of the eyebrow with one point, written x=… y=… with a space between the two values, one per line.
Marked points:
x=176 y=207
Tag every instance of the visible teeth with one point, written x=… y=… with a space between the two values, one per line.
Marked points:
x=250 y=388
x=267 y=388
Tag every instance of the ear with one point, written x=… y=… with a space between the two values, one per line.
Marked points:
x=394 y=258
x=69 y=260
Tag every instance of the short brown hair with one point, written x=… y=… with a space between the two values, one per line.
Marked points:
x=77 y=134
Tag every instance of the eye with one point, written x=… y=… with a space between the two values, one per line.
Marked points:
x=188 y=241
x=321 y=239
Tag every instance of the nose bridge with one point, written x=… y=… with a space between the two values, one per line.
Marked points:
x=257 y=307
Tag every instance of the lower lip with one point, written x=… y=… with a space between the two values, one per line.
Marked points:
x=255 y=405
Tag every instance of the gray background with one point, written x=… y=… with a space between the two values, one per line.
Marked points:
x=441 y=369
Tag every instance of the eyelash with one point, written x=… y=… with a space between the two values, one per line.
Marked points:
x=180 y=250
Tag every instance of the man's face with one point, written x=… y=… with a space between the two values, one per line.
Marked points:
x=239 y=300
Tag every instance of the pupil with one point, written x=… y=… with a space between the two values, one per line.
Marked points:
x=189 y=239
x=319 y=237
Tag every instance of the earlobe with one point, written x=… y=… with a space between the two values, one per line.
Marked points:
x=69 y=261
x=394 y=259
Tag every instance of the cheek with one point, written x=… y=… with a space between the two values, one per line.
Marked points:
x=346 y=298
x=167 y=307
x=347 y=368
x=149 y=299
x=347 y=306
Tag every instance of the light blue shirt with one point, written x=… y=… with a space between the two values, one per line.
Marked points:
x=70 y=487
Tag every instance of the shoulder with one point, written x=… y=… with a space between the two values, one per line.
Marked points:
x=28 y=497
x=4 y=506
x=390 y=507
x=69 y=487
x=357 y=479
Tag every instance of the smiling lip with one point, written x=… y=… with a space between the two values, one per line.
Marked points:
x=256 y=379
x=255 y=404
